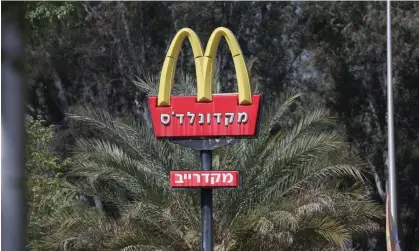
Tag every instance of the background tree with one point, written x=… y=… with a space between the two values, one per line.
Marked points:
x=292 y=198
x=49 y=194
x=88 y=53
x=348 y=43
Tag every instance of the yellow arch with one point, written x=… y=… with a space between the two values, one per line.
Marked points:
x=204 y=65
x=243 y=83
x=169 y=65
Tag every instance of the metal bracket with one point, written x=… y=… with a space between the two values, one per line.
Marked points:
x=204 y=143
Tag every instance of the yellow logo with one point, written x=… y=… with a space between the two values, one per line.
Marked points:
x=204 y=65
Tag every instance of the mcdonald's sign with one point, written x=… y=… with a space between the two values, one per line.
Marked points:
x=204 y=179
x=207 y=114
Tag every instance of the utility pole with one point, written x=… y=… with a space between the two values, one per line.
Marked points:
x=392 y=205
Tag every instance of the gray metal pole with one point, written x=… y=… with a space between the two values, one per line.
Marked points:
x=206 y=205
x=13 y=210
x=392 y=172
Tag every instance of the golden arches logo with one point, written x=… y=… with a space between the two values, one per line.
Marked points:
x=204 y=65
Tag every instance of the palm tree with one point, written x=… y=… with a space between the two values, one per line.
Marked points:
x=303 y=188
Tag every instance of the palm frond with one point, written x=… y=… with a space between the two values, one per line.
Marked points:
x=292 y=195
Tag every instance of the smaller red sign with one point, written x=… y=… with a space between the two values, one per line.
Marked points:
x=204 y=179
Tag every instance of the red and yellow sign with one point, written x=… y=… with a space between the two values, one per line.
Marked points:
x=207 y=114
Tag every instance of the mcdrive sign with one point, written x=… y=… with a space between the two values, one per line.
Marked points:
x=207 y=114
x=204 y=179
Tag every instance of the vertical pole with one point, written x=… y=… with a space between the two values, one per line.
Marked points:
x=206 y=205
x=13 y=210
x=392 y=172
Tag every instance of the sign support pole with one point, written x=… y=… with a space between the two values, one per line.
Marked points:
x=206 y=205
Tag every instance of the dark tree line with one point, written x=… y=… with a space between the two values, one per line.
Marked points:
x=90 y=53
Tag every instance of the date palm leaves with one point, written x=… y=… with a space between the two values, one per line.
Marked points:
x=303 y=188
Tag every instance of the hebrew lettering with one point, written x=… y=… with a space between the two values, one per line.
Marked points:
x=201 y=118
x=242 y=117
x=180 y=116
x=165 y=119
x=187 y=176
x=198 y=177
x=227 y=176
x=206 y=175
x=216 y=177
x=180 y=178
x=204 y=178
x=229 y=117
x=217 y=117
x=191 y=117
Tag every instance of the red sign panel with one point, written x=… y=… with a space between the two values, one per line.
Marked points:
x=223 y=116
x=206 y=179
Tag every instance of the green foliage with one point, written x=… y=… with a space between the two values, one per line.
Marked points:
x=90 y=52
x=48 y=192
x=38 y=138
x=41 y=11
x=303 y=188
x=348 y=41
